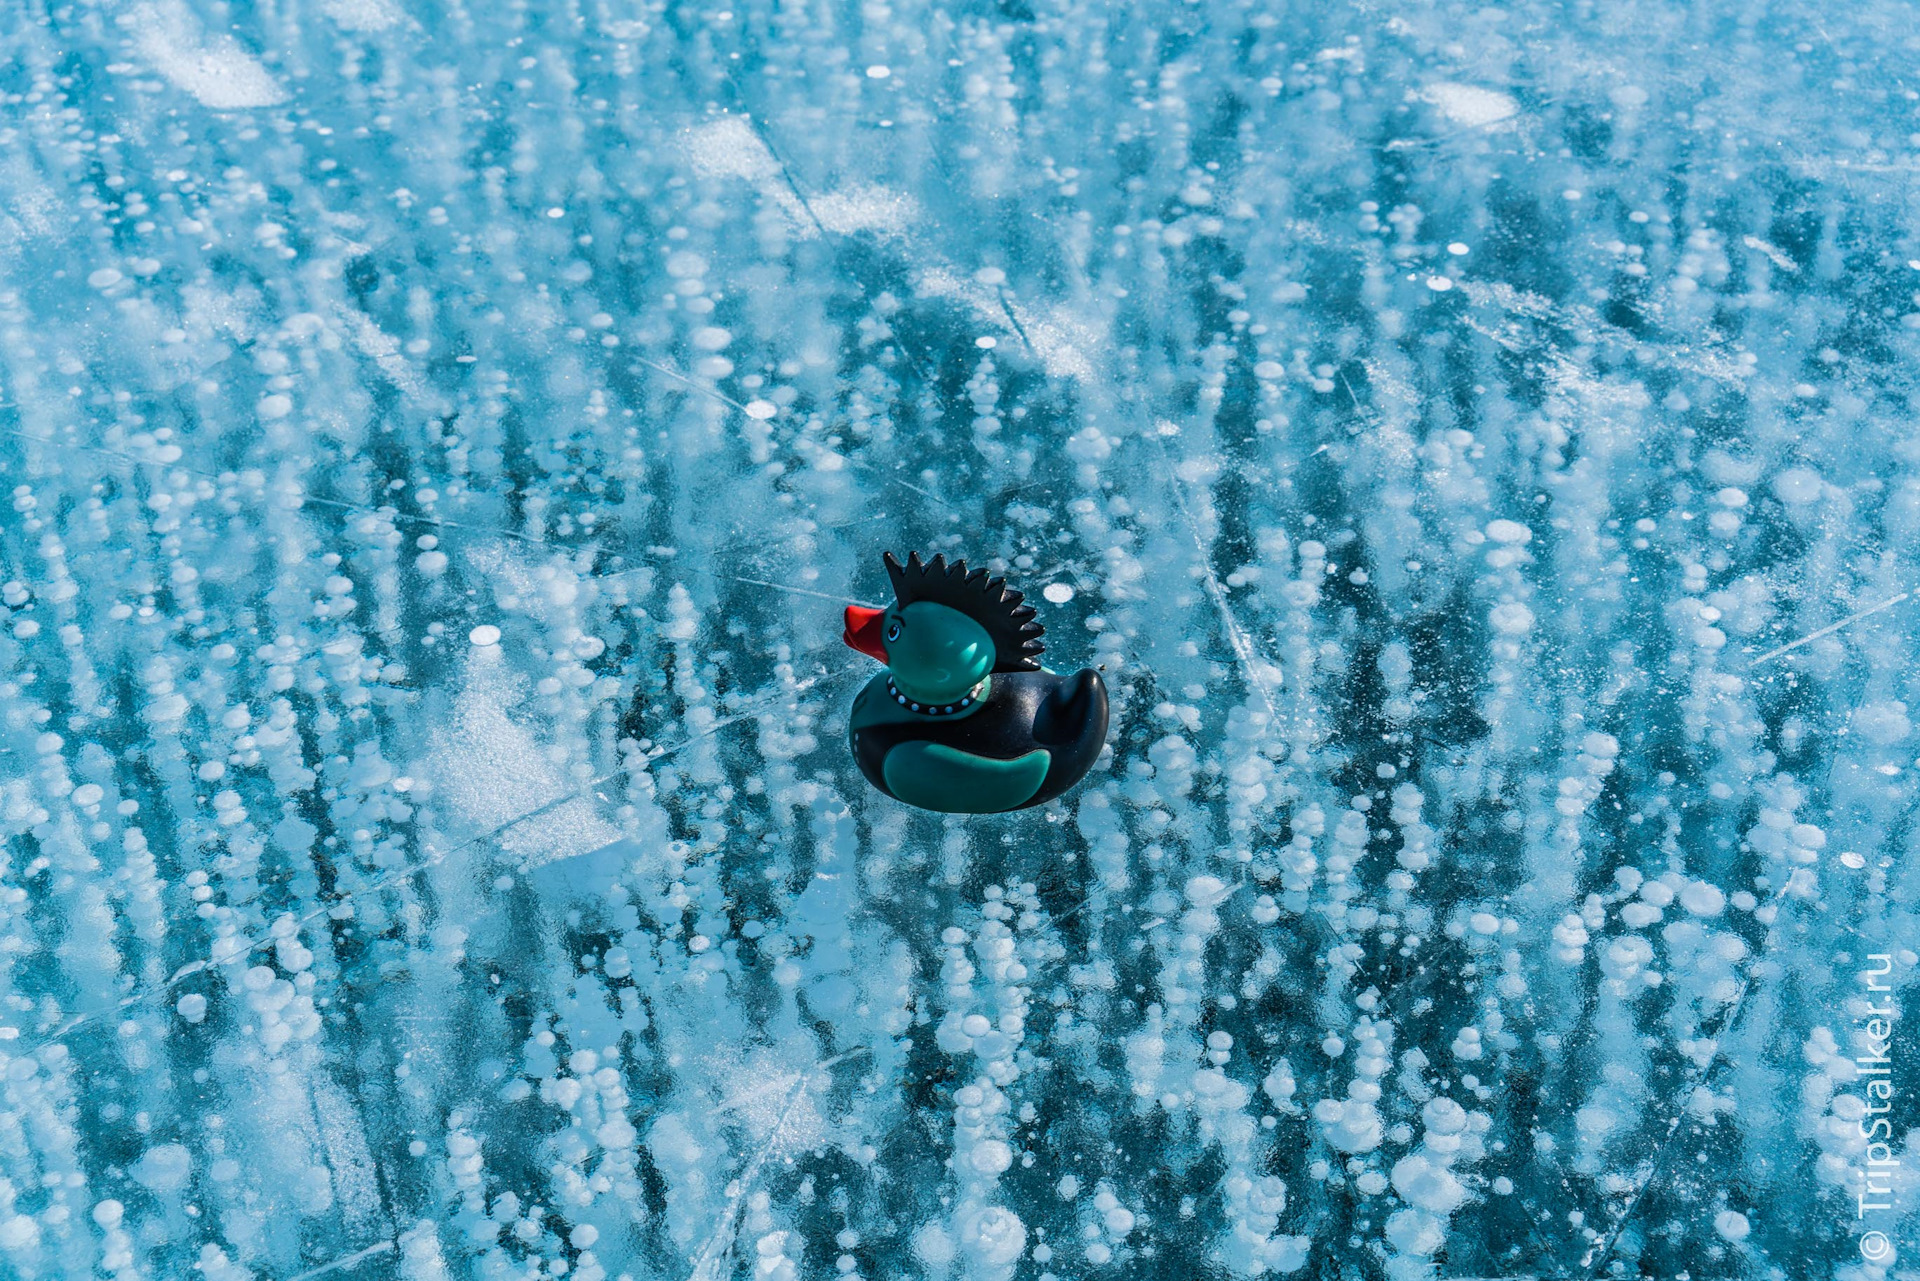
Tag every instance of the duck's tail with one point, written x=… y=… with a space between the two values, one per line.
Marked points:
x=1071 y=723
x=1075 y=711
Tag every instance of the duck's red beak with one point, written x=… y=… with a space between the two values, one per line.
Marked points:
x=863 y=631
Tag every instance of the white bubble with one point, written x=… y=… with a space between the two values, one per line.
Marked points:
x=1057 y=593
x=995 y=1236
x=1471 y=105
x=88 y=794
x=1703 y=898
x=165 y=1168
x=1797 y=486
x=761 y=409
x=1731 y=1224
x=992 y=1157
x=192 y=1007
x=484 y=635
x=934 y=1247
x=878 y=72
x=1512 y=619
x=105 y=278
x=1508 y=531
x=685 y=264
x=1206 y=891
x=1439 y=284
x=1415 y=1232
x=986 y=342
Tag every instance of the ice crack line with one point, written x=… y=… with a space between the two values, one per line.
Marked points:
x=1601 y=1251
x=710 y=1263
x=344 y=1261
x=1830 y=629
x=1236 y=635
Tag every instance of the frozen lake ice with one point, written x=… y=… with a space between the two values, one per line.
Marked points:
x=1475 y=443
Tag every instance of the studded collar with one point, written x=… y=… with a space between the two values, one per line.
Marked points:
x=945 y=709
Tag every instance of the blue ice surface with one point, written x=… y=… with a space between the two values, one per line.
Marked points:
x=439 y=439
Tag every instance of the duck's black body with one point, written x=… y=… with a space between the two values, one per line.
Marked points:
x=1022 y=713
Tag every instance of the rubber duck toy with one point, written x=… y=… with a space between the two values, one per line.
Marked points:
x=964 y=720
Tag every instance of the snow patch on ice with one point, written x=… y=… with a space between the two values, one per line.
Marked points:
x=494 y=771
x=729 y=148
x=865 y=207
x=212 y=68
x=1060 y=341
x=362 y=15
x=1471 y=105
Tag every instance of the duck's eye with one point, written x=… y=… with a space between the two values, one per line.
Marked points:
x=893 y=630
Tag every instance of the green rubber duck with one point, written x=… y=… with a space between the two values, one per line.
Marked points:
x=964 y=720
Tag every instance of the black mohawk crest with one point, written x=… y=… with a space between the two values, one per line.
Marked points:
x=987 y=601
